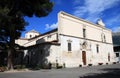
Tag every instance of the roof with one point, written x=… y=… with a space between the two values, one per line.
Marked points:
x=23 y=38
x=33 y=31
x=54 y=30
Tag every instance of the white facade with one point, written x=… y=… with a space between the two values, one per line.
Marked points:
x=71 y=28
x=80 y=42
x=31 y=34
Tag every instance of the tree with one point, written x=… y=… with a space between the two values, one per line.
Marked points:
x=12 y=21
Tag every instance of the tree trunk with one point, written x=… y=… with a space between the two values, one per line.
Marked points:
x=10 y=60
x=11 y=48
x=10 y=54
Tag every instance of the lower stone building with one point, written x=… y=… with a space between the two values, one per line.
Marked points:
x=76 y=42
x=116 y=42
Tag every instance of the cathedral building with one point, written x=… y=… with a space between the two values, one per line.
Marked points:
x=76 y=42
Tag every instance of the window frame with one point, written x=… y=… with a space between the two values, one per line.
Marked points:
x=30 y=36
x=117 y=54
x=97 y=48
x=84 y=33
x=69 y=46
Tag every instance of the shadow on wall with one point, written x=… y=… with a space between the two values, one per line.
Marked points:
x=40 y=41
x=111 y=73
x=37 y=55
x=17 y=57
x=3 y=58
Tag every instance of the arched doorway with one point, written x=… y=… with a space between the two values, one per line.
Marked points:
x=84 y=57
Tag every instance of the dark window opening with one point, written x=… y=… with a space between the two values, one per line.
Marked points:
x=30 y=36
x=104 y=38
x=84 y=33
x=117 y=54
x=97 y=48
x=69 y=46
x=49 y=36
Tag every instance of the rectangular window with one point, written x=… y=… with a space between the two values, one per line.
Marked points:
x=69 y=46
x=30 y=36
x=84 y=33
x=97 y=48
x=117 y=54
x=49 y=36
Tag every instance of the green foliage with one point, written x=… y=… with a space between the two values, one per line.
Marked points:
x=2 y=68
x=13 y=11
x=27 y=7
x=12 y=21
x=19 y=67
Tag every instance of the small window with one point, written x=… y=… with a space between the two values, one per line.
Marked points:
x=97 y=48
x=84 y=33
x=104 y=38
x=117 y=54
x=69 y=46
x=30 y=36
x=49 y=36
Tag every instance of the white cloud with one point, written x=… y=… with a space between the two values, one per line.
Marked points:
x=80 y=11
x=116 y=29
x=94 y=8
x=52 y=26
x=112 y=20
x=76 y=2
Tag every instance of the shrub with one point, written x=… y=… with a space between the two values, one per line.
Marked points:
x=80 y=65
x=89 y=64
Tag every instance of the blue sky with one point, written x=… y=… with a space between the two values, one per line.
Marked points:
x=91 y=10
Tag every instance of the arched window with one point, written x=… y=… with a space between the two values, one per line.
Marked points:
x=103 y=37
x=69 y=45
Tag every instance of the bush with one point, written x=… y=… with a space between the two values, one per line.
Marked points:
x=114 y=62
x=59 y=67
x=106 y=63
x=2 y=69
x=89 y=64
x=18 y=67
x=100 y=63
x=80 y=65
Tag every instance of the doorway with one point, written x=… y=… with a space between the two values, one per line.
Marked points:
x=84 y=57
